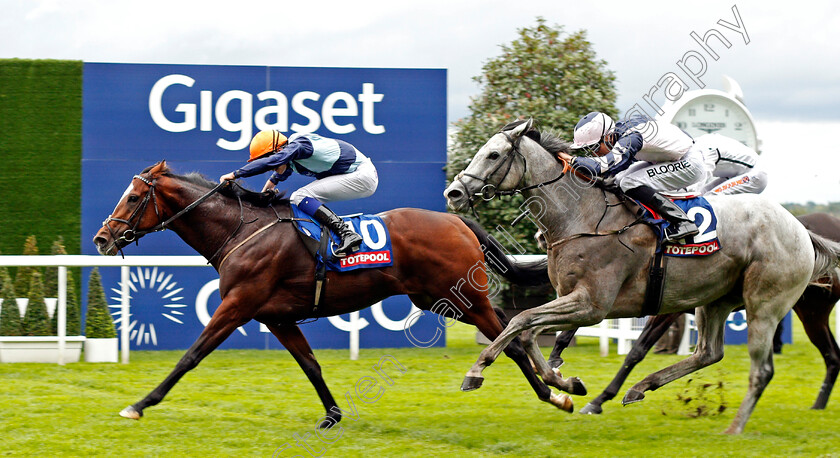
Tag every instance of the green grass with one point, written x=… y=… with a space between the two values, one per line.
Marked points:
x=249 y=403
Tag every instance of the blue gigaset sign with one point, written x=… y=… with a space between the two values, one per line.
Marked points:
x=201 y=118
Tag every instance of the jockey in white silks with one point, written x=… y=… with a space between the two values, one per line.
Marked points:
x=341 y=172
x=645 y=160
x=735 y=167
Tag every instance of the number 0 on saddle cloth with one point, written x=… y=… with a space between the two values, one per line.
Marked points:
x=376 y=241
x=703 y=244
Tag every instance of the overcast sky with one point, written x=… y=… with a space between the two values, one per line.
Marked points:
x=789 y=71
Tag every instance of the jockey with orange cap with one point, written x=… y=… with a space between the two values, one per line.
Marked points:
x=341 y=173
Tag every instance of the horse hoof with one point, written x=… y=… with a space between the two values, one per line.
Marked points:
x=562 y=401
x=632 y=396
x=578 y=388
x=591 y=409
x=556 y=362
x=328 y=422
x=130 y=413
x=471 y=383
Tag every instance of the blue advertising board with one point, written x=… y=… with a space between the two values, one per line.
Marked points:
x=201 y=118
x=735 y=329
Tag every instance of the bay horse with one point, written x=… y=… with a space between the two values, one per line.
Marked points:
x=266 y=273
x=813 y=309
x=599 y=253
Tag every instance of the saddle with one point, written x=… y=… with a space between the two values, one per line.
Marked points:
x=375 y=251
x=703 y=244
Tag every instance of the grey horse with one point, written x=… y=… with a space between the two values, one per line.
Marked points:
x=599 y=255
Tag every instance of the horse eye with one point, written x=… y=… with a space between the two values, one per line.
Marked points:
x=133 y=198
x=493 y=156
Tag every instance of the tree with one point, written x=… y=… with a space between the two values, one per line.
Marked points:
x=98 y=323
x=36 y=321
x=24 y=273
x=51 y=273
x=4 y=277
x=546 y=74
x=74 y=312
x=10 y=324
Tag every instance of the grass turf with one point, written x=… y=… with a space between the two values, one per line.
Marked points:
x=250 y=403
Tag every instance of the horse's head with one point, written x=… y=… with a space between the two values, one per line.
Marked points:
x=497 y=166
x=136 y=214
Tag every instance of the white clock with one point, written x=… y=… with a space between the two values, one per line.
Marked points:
x=708 y=111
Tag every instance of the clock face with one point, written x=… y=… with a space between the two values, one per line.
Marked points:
x=709 y=114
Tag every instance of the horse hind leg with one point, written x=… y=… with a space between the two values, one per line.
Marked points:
x=814 y=310
x=768 y=297
x=709 y=350
x=654 y=329
x=293 y=340
x=560 y=343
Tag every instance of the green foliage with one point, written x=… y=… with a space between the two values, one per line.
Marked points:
x=51 y=273
x=36 y=321
x=10 y=324
x=4 y=276
x=74 y=312
x=41 y=147
x=98 y=323
x=24 y=273
x=811 y=207
x=547 y=74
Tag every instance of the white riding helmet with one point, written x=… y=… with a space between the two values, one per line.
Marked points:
x=591 y=129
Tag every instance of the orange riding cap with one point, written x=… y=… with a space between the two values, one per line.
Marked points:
x=265 y=142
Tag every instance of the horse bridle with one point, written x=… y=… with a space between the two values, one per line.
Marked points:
x=132 y=234
x=489 y=190
x=510 y=158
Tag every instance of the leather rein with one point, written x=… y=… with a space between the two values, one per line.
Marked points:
x=133 y=234
x=489 y=191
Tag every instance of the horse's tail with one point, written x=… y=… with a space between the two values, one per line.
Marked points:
x=521 y=273
x=826 y=254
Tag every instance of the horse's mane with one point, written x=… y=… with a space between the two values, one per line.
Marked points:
x=548 y=139
x=237 y=190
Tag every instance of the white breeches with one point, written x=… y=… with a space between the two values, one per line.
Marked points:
x=753 y=181
x=359 y=183
x=666 y=176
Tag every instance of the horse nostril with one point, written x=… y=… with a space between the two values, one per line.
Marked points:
x=99 y=241
x=454 y=194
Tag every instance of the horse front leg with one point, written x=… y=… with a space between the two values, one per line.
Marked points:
x=551 y=376
x=572 y=309
x=224 y=322
x=293 y=339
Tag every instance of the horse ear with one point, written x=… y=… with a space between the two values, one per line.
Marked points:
x=519 y=130
x=158 y=168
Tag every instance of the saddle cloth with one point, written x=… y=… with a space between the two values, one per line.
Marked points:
x=376 y=242
x=703 y=244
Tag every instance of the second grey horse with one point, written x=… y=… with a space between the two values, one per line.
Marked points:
x=599 y=255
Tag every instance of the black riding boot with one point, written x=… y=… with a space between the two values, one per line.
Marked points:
x=350 y=241
x=681 y=225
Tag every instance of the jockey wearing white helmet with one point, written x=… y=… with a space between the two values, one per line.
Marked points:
x=643 y=164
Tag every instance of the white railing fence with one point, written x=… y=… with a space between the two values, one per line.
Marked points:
x=65 y=261
x=625 y=330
